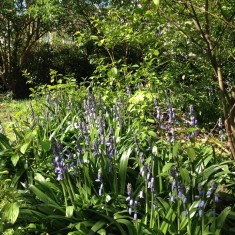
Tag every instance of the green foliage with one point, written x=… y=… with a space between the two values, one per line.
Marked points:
x=121 y=152
x=97 y=161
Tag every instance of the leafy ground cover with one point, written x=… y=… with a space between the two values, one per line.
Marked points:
x=112 y=161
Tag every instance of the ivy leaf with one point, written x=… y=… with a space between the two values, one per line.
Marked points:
x=11 y=212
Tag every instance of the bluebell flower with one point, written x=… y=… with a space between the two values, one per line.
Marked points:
x=58 y=161
x=99 y=177
x=202 y=204
x=181 y=191
x=172 y=199
x=208 y=193
x=135 y=216
x=174 y=183
x=216 y=198
x=200 y=212
x=101 y=189
x=141 y=195
x=220 y=123
x=213 y=212
x=129 y=189
x=154 y=206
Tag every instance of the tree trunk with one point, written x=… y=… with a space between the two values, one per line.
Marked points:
x=18 y=84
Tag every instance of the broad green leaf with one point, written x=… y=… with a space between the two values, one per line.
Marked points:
x=11 y=212
x=69 y=211
x=185 y=175
x=42 y=195
x=4 y=142
x=110 y=219
x=112 y=72
x=123 y=169
x=79 y=39
x=191 y=153
x=17 y=176
x=39 y=177
x=102 y=232
x=15 y=159
x=24 y=147
x=220 y=220
x=130 y=226
x=156 y=2
x=97 y=226
x=176 y=149
x=167 y=167
x=46 y=145
x=169 y=218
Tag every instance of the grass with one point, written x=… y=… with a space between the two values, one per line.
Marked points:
x=10 y=108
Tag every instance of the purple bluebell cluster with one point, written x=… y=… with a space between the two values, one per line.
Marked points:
x=111 y=148
x=168 y=126
x=58 y=161
x=177 y=187
x=169 y=123
x=193 y=120
x=132 y=202
x=206 y=197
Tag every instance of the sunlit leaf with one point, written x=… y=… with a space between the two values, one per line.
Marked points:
x=11 y=212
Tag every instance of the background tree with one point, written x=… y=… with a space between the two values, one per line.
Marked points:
x=209 y=27
x=22 y=25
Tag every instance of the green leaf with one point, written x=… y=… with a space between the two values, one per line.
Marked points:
x=169 y=218
x=41 y=195
x=156 y=2
x=176 y=149
x=97 y=226
x=110 y=219
x=112 y=72
x=167 y=167
x=60 y=126
x=15 y=159
x=150 y=120
x=185 y=175
x=4 y=142
x=11 y=212
x=191 y=153
x=46 y=145
x=39 y=177
x=79 y=39
x=69 y=211
x=123 y=169
x=220 y=220
x=156 y=52
x=24 y=147
x=129 y=225
x=152 y=133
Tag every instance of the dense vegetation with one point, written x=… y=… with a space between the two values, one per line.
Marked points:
x=130 y=125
